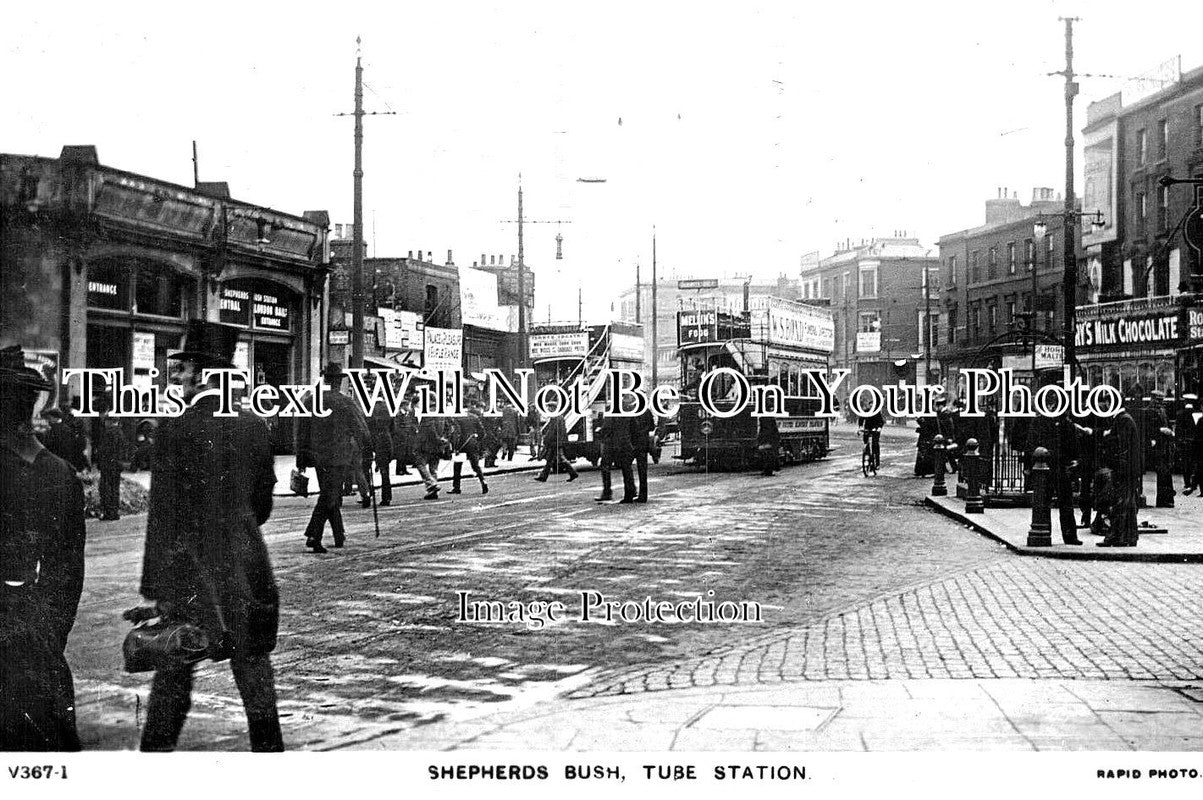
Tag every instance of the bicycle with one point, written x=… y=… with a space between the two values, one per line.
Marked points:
x=870 y=457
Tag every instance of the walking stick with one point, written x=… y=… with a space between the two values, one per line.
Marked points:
x=372 y=490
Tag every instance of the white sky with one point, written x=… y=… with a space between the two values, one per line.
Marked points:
x=751 y=132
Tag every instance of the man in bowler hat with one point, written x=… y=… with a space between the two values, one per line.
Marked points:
x=326 y=444
x=41 y=571
x=205 y=559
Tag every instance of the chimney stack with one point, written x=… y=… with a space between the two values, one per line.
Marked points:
x=411 y=255
x=450 y=263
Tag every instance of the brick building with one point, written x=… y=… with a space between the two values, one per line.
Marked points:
x=876 y=291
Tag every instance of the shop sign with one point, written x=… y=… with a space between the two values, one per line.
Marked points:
x=560 y=345
x=1049 y=355
x=104 y=293
x=235 y=305
x=269 y=311
x=1126 y=331
x=444 y=349
x=336 y=337
x=1194 y=319
x=694 y=327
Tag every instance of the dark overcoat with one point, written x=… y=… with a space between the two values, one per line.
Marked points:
x=329 y=441
x=41 y=577
x=380 y=429
x=210 y=490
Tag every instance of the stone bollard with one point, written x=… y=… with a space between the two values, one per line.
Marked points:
x=938 y=489
x=971 y=464
x=1041 y=532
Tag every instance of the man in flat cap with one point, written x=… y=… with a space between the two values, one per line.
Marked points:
x=205 y=560
x=41 y=571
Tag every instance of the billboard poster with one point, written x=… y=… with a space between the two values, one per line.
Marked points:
x=694 y=327
x=444 y=349
x=478 y=300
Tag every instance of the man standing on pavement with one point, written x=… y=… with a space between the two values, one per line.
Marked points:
x=41 y=572
x=380 y=428
x=405 y=428
x=63 y=441
x=509 y=431
x=1162 y=443
x=1051 y=433
x=109 y=449
x=1123 y=454
x=533 y=430
x=205 y=559
x=467 y=436
x=643 y=428
x=325 y=443
x=555 y=435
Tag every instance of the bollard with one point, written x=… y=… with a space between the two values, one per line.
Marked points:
x=938 y=489
x=1041 y=532
x=971 y=468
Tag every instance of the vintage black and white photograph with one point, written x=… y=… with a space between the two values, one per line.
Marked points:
x=767 y=379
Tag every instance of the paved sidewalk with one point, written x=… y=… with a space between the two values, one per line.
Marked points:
x=940 y=715
x=1183 y=541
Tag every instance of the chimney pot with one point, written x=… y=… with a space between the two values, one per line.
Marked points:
x=449 y=261
x=411 y=255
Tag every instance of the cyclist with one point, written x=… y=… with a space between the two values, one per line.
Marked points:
x=870 y=430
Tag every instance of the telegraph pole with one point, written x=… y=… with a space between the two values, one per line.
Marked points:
x=357 y=226
x=1069 y=251
x=655 y=344
x=522 y=221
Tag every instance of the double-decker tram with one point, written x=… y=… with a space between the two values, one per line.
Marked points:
x=774 y=343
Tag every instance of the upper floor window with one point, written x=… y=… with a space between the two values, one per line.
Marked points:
x=952 y=270
x=1199 y=125
x=1163 y=138
x=992 y=267
x=1142 y=146
x=432 y=302
x=1011 y=256
x=1029 y=250
x=1142 y=210
x=1163 y=207
x=975 y=270
x=868 y=281
x=993 y=317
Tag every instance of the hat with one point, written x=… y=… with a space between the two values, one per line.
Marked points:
x=333 y=371
x=209 y=344
x=14 y=373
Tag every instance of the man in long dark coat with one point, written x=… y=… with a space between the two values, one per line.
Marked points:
x=555 y=436
x=109 y=451
x=205 y=560
x=429 y=445
x=1123 y=453
x=380 y=428
x=64 y=441
x=405 y=428
x=642 y=429
x=613 y=435
x=325 y=443
x=768 y=442
x=509 y=431
x=41 y=572
x=1161 y=438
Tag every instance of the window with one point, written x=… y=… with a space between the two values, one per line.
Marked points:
x=869 y=322
x=1142 y=147
x=1163 y=207
x=952 y=270
x=1011 y=312
x=992 y=267
x=868 y=281
x=1199 y=125
x=1142 y=211
x=952 y=325
x=993 y=318
x=432 y=303
x=976 y=313
x=975 y=270
x=1163 y=137
x=158 y=291
x=1011 y=253
x=1029 y=253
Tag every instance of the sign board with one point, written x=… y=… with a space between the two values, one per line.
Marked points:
x=444 y=349
x=337 y=337
x=1017 y=363
x=694 y=327
x=235 y=306
x=144 y=358
x=1049 y=355
x=625 y=347
x=560 y=345
x=478 y=300
x=868 y=342
x=1128 y=330
x=788 y=323
x=402 y=329
x=697 y=283
x=269 y=311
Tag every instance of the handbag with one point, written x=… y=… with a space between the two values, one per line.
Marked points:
x=299 y=483
x=165 y=644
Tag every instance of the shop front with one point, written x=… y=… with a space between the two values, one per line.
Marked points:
x=1133 y=345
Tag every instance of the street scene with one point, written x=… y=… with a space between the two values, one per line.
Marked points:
x=782 y=381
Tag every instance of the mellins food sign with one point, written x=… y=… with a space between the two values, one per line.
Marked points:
x=1127 y=331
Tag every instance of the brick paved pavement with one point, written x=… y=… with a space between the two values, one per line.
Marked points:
x=1012 y=619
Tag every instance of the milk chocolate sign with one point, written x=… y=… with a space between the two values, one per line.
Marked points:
x=1129 y=331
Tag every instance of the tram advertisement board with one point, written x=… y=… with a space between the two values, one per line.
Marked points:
x=796 y=324
x=695 y=327
x=574 y=344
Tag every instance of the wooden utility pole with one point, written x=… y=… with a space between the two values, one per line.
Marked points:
x=523 y=355
x=357 y=226
x=655 y=344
